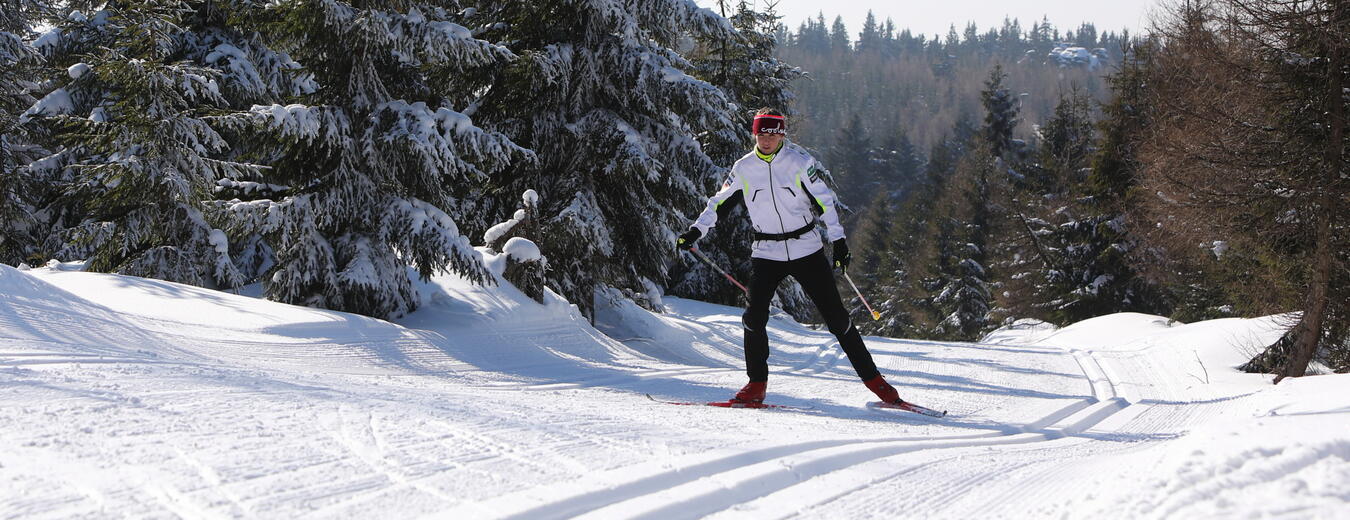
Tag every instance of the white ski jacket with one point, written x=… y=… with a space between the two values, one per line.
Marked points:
x=779 y=193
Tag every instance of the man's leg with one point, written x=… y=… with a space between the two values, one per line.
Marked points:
x=764 y=279
x=817 y=279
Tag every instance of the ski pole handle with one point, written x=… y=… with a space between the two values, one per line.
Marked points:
x=705 y=260
x=875 y=315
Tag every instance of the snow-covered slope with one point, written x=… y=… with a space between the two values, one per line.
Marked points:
x=126 y=397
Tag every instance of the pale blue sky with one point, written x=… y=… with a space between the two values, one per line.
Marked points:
x=935 y=16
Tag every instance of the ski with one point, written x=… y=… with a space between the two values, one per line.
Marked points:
x=908 y=407
x=731 y=404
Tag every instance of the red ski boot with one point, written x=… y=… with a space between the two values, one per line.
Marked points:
x=752 y=392
x=884 y=390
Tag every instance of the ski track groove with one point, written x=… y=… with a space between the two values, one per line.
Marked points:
x=716 y=485
x=823 y=359
x=374 y=454
x=811 y=494
x=213 y=481
x=1060 y=468
x=608 y=380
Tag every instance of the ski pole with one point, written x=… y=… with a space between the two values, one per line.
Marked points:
x=705 y=260
x=875 y=315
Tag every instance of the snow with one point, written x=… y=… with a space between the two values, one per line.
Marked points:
x=123 y=396
x=219 y=241
x=49 y=38
x=249 y=186
x=496 y=232
x=1066 y=55
x=297 y=119
x=56 y=103
x=1219 y=247
x=522 y=249
x=77 y=70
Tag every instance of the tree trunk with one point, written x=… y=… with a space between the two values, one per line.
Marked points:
x=1314 y=314
x=1311 y=324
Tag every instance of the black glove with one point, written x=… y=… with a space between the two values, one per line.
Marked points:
x=686 y=241
x=841 y=256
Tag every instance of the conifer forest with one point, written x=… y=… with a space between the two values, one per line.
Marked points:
x=334 y=151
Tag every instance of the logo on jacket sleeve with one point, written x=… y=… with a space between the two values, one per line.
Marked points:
x=814 y=172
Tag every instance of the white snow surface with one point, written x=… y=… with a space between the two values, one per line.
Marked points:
x=77 y=70
x=56 y=103
x=130 y=397
x=522 y=249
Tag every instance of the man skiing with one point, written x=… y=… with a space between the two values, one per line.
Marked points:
x=779 y=182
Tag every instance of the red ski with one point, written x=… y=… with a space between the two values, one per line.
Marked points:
x=731 y=404
x=908 y=407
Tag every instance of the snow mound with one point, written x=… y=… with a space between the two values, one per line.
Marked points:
x=1260 y=459
x=1025 y=331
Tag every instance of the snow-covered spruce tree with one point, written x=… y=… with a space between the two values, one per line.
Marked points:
x=19 y=229
x=601 y=96
x=1067 y=142
x=743 y=66
x=869 y=240
x=881 y=246
x=901 y=166
x=906 y=275
x=1044 y=232
x=370 y=170
x=851 y=160
x=138 y=157
x=964 y=217
x=1000 y=112
x=1116 y=285
x=961 y=284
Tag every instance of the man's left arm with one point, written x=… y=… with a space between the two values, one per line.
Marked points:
x=813 y=180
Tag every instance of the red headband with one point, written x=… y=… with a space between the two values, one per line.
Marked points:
x=769 y=124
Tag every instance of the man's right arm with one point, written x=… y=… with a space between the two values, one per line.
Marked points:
x=719 y=204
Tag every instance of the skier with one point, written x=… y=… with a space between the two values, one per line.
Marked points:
x=780 y=183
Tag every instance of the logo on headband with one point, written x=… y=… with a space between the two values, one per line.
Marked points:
x=769 y=124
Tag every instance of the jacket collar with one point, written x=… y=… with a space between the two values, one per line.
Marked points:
x=769 y=157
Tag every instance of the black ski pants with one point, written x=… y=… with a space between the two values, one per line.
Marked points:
x=817 y=279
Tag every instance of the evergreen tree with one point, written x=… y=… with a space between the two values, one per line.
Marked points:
x=20 y=233
x=743 y=66
x=960 y=283
x=869 y=242
x=1000 y=112
x=1065 y=145
x=1044 y=231
x=814 y=35
x=900 y=166
x=372 y=172
x=851 y=161
x=839 y=39
x=1117 y=286
x=870 y=39
x=140 y=153
x=619 y=160
x=952 y=44
x=906 y=272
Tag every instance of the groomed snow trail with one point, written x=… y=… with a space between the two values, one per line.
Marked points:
x=131 y=397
